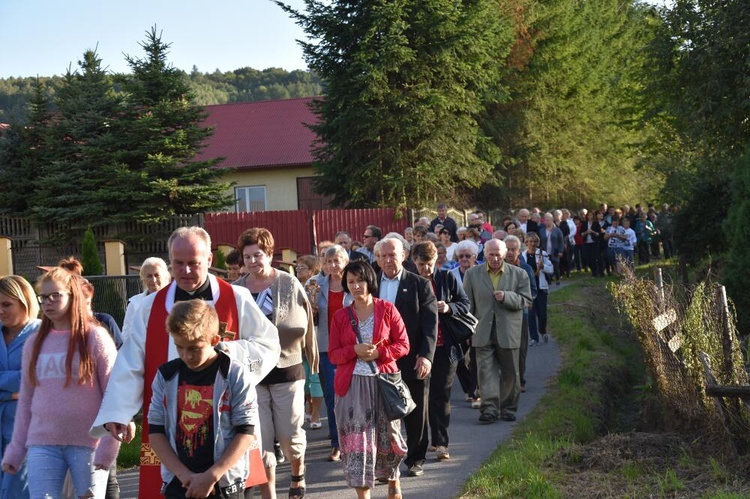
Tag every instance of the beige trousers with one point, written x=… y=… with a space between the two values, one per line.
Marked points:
x=281 y=408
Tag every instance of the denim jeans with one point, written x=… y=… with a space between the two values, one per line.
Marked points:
x=327 y=371
x=48 y=464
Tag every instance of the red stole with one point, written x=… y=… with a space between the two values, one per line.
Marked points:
x=156 y=354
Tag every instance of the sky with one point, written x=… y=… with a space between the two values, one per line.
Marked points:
x=45 y=37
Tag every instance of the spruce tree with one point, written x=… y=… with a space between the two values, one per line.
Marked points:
x=23 y=153
x=81 y=183
x=164 y=134
x=568 y=135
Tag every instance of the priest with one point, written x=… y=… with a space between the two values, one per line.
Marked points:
x=248 y=336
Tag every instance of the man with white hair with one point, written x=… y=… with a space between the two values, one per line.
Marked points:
x=407 y=263
x=499 y=293
x=525 y=223
x=415 y=300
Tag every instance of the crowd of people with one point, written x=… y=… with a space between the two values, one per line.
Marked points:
x=228 y=372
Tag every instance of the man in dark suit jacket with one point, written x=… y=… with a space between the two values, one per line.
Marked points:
x=415 y=300
x=446 y=221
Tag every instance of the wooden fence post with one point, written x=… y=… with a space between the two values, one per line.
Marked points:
x=6 y=257
x=115 y=257
x=659 y=285
x=726 y=332
x=226 y=249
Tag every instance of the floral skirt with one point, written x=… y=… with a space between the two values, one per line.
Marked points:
x=371 y=446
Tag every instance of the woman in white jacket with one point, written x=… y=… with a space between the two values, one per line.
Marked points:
x=154 y=276
x=540 y=263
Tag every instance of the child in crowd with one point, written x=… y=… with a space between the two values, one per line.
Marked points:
x=234 y=265
x=203 y=411
x=65 y=370
x=614 y=236
x=629 y=242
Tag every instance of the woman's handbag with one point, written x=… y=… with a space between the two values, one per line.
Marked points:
x=461 y=327
x=394 y=393
x=397 y=401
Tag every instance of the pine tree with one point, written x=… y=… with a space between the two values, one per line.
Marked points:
x=568 y=133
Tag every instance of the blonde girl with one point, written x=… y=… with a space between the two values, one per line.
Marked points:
x=65 y=369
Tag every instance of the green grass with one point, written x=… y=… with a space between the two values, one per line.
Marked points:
x=599 y=356
x=669 y=484
x=568 y=414
x=130 y=454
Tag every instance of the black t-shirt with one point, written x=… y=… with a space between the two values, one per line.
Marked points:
x=194 y=435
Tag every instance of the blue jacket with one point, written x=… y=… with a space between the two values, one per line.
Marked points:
x=557 y=241
x=13 y=486
x=10 y=378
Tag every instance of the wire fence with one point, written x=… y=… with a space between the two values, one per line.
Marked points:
x=111 y=294
x=689 y=340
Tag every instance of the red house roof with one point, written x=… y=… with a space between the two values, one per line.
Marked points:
x=261 y=134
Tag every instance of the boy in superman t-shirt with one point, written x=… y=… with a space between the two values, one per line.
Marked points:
x=203 y=410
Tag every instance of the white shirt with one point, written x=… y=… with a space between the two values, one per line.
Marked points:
x=450 y=250
x=389 y=287
x=573 y=230
x=631 y=242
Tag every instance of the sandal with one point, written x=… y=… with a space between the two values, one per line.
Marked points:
x=299 y=491
x=335 y=455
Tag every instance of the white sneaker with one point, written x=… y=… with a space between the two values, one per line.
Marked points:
x=533 y=343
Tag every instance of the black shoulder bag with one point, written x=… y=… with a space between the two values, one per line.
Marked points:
x=394 y=393
x=461 y=326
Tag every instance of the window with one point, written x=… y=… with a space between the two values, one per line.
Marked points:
x=252 y=198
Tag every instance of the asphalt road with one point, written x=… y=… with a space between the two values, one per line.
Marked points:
x=471 y=444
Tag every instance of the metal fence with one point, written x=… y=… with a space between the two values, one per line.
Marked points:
x=111 y=294
x=299 y=230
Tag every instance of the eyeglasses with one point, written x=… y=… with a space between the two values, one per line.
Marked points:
x=464 y=257
x=52 y=297
x=365 y=236
x=302 y=267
